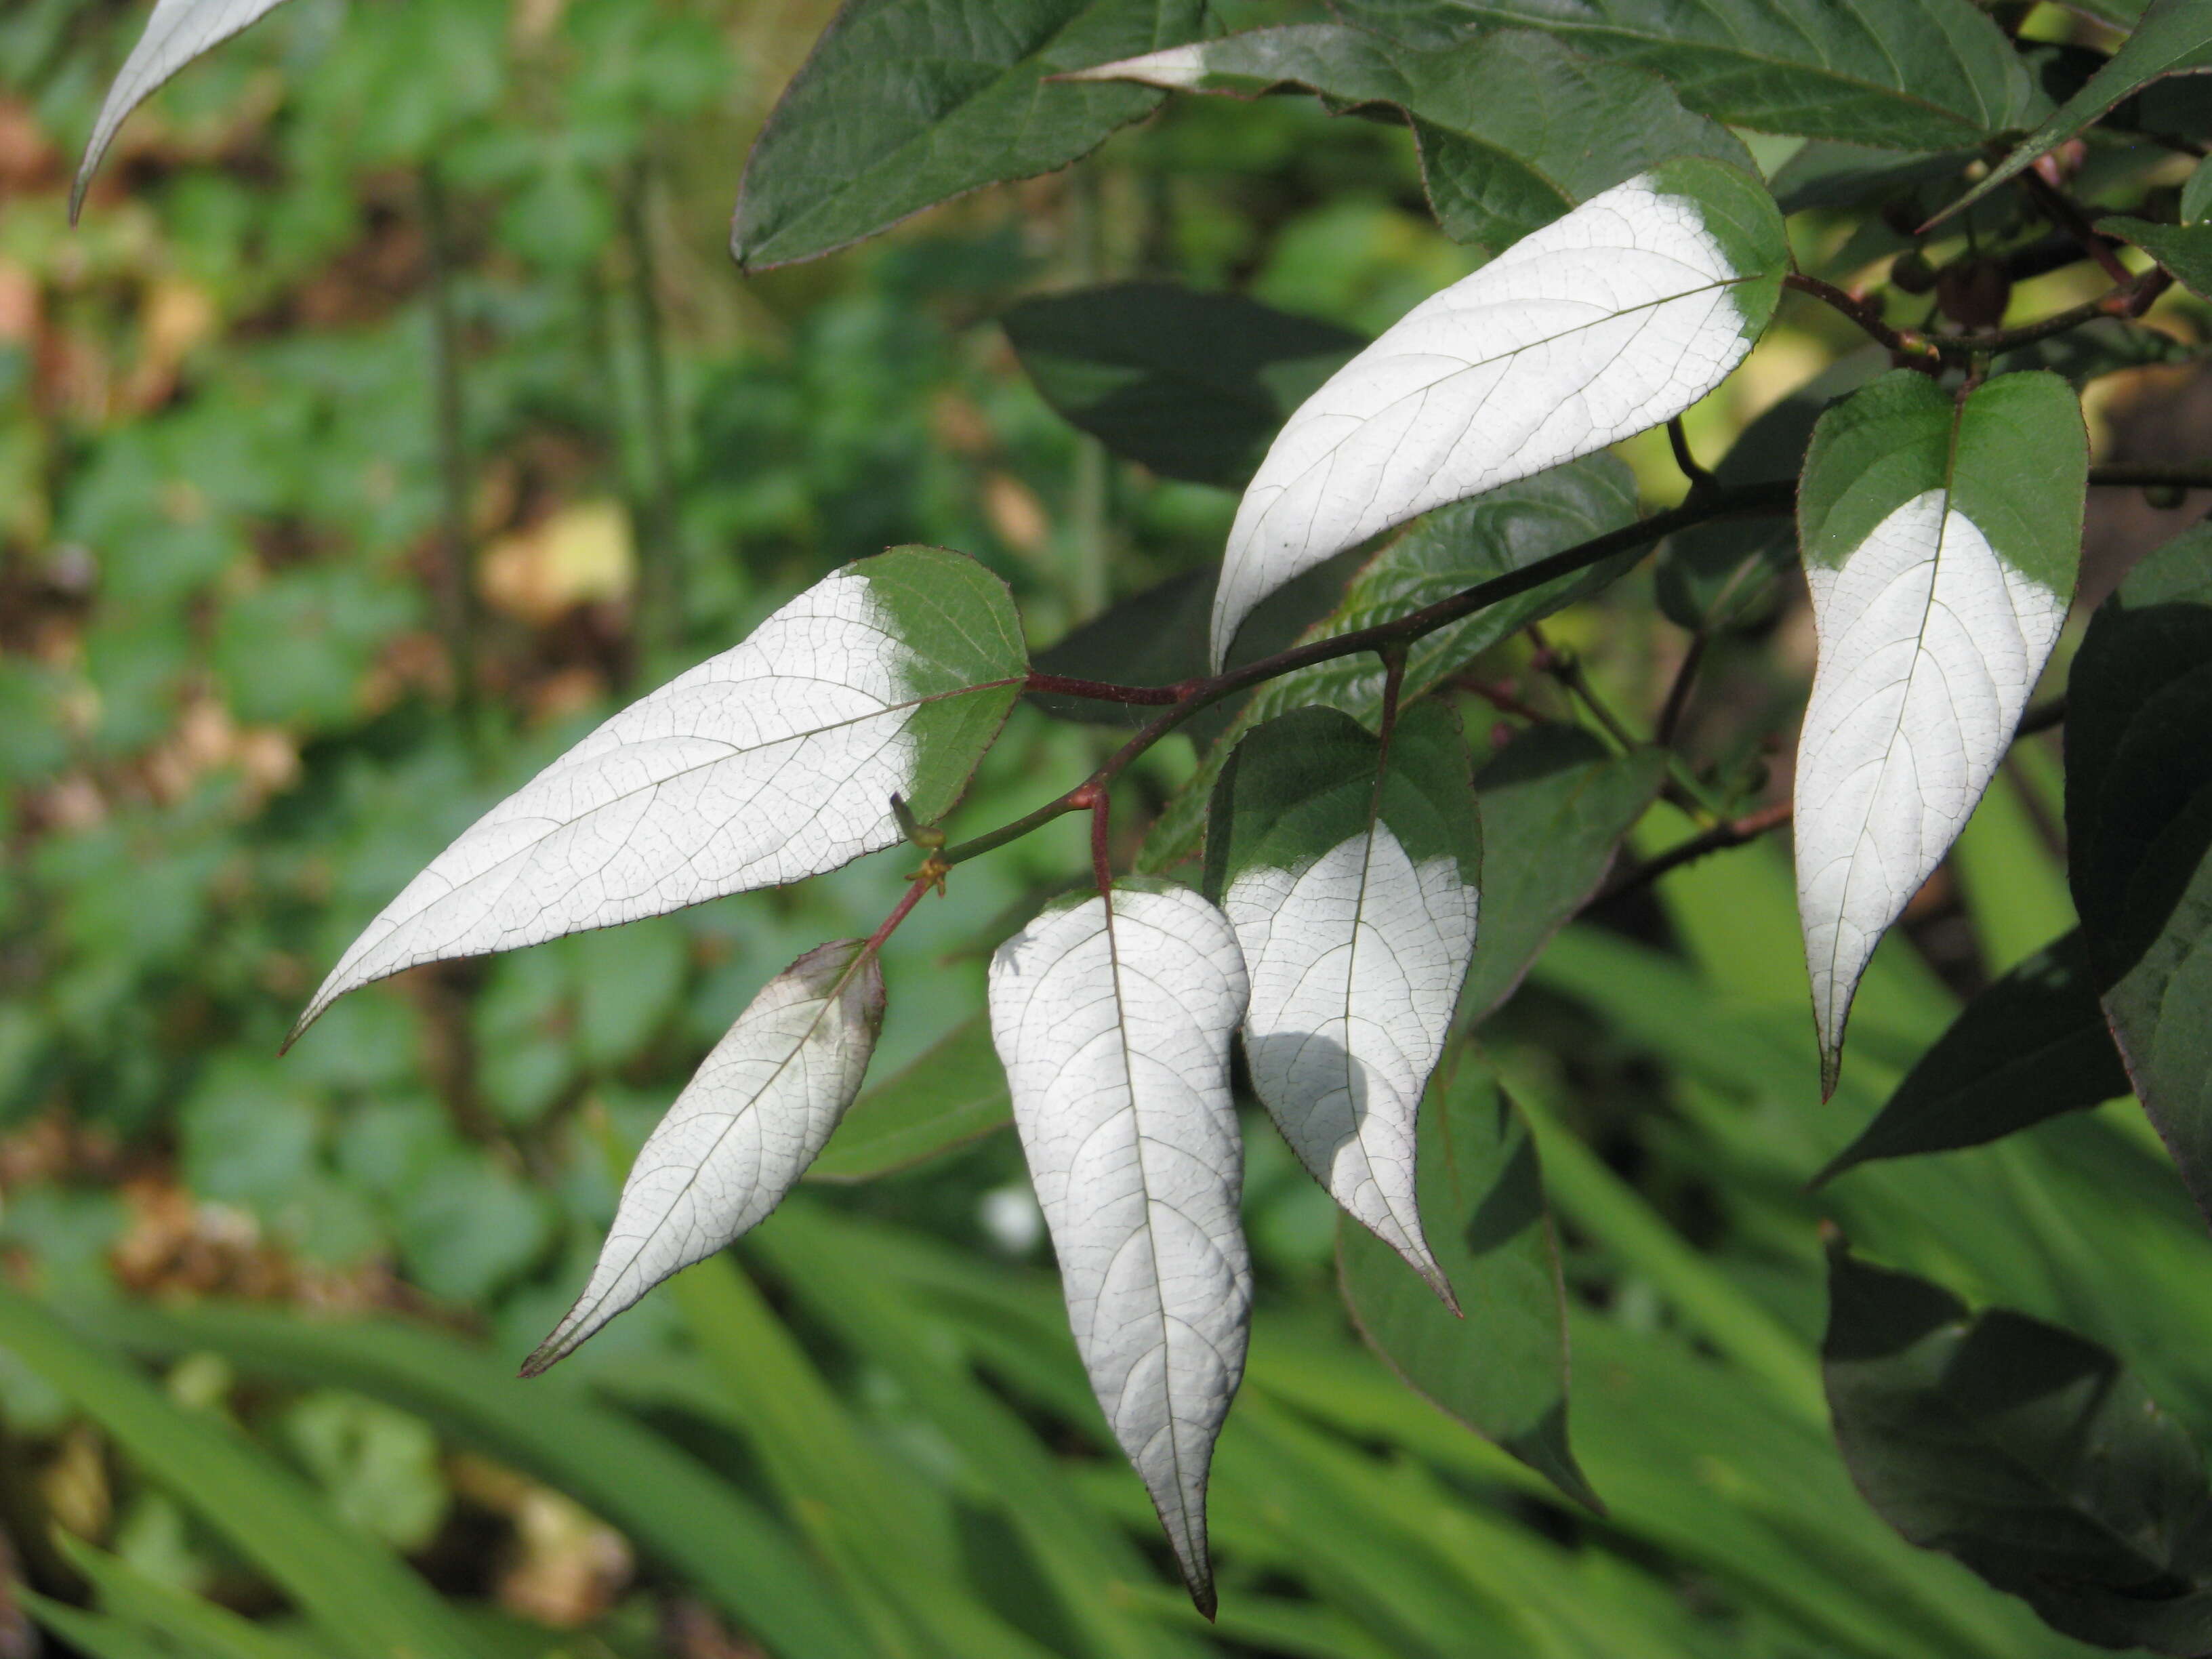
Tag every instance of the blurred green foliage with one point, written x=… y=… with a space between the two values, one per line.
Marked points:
x=234 y=620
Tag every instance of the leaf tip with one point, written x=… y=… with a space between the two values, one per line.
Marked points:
x=1831 y=1069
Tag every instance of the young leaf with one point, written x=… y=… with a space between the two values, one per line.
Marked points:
x=2173 y=38
x=774 y=761
x=1941 y=539
x=1349 y=869
x=1502 y=120
x=2139 y=834
x=1827 y=71
x=1502 y=1369
x=177 y=32
x=2024 y=1451
x=906 y=103
x=953 y=1094
x=1113 y=1016
x=1555 y=804
x=1191 y=384
x=740 y=1134
x=1609 y=320
x=1470 y=541
x=2185 y=251
x=2031 y=1046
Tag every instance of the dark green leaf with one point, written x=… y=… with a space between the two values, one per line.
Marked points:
x=2173 y=38
x=1454 y=548
x=1845 y=72
x=2025 y=1452
x=2185 y=251
x=1721 y=573
x=1502 y=1369
x=1827 y=175
x=953 y=1094
x=907 y=103
x=1193 y=385
x=2139 y=834
x=2033 y=1045
x=677 y=1510
x=1555 y=803
x=1507 y=123
x=2196 y=196
x=2105 y=346
x=360 y=1595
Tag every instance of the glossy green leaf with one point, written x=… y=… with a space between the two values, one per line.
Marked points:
x=907 y=103
x=1349 y=867
x=1800 y=66
x=2024 y=1451
x=1191 y=384
x=672 y=1506
x=1941 y=537
x=1502 y=121
x=1471 y=542
x=2139 y=834
x=1502 y=1369
x=953 y=1094
x=2033 y=1045
x=1555 y=803
x=2174 y=37
x=358 y=1593
x=2185 y=251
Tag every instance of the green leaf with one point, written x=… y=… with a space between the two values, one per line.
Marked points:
x=1721 y=573
x=1502 y=1369
x=1555 y=803
x=2139 y=834
x=2196 y=196
x=1941 y=537
x=2024 y=1451
x=677 y=1512
x=953 y=1094
x=1827 y=71
x=1191 y=384
x=1503 y=121
x=2033 y=1045
x=98 y=1635
x=2106 y=345
x=2173 y=38
x=906 y=103
x=2185 y=251
x=1826 y=175
x=201 y=1626
x=1348 y=866
x=362 y=1598
x=1455 y=548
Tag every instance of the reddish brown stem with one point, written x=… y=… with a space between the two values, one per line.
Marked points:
x=1161 y=696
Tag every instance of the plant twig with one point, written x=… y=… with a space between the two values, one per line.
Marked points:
x=1734 y=832
x=1678 y=693
x=1679 y=440
x=1060 y=685
x=2066 y=213
x=2129 y=300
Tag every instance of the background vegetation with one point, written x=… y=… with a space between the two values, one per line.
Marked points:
x=394 y=413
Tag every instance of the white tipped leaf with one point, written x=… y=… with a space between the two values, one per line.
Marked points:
x=739 y=1136
x=1611 y=319
x=177 y=32
x=1115 y=1031
x=1941 y=541
x=770 y=762
x=1349 y=875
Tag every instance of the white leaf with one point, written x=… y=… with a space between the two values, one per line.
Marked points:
x=1356 y=963
x=1611 y=319
x=1929 y=645
x=177 y=32
x=772 y=761
x=740 y=1134
x=1115 y=1031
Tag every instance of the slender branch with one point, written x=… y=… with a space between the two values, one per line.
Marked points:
x=1678 y=693
x=1773 y=497
x=1679 y=440
x=2066 y=213
x=1565 y=666
x=1501 y=697
x=2126 y=476
x=1060 y=685
x=929 y=876
x=2129 y=300
x=2042 y=717
x=1736 y=832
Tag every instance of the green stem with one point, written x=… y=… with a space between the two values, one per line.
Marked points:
x=660 y=579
